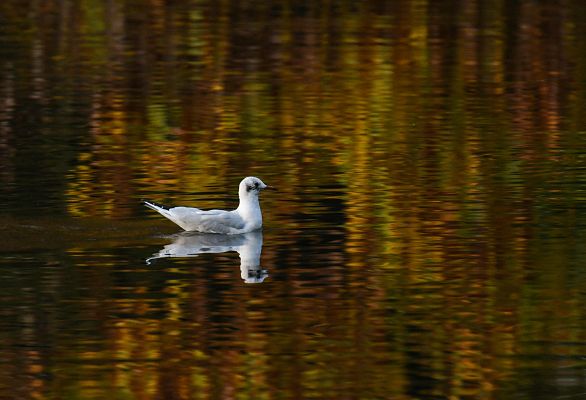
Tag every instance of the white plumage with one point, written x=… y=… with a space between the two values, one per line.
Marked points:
x=246 y=218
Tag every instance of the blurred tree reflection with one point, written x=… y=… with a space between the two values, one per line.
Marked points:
x=452 y=129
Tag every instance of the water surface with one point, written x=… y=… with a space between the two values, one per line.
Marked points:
x=426 y=242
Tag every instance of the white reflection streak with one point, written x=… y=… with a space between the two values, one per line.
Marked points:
x=248 y=245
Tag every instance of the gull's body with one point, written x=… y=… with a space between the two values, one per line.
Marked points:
x=246 y=218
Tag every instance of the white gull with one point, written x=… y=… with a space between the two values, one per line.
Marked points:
x=246 y=218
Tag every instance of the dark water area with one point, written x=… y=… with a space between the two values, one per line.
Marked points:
x=427 y=240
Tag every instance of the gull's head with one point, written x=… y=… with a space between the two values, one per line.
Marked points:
x=251 y=185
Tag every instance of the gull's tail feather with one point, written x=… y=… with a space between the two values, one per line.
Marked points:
x=164 y=211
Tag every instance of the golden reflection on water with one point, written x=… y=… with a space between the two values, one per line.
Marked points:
x=425 y=242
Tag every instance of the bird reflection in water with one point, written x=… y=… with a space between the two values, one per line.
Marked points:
x=248 y=245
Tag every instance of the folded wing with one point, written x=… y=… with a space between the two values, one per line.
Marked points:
x=215 y=221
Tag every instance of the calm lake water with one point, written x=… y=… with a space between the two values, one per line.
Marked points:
x=428 y=239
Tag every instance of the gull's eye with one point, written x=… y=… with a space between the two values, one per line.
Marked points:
x=256 y=185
